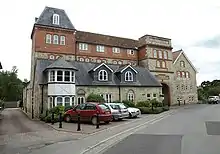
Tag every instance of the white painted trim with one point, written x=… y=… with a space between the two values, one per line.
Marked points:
x=186 y=59
x=102 y=65
x=127 y=67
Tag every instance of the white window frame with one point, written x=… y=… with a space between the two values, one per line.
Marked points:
x=80 y=99
x=55 y=39
x=183 y=74
x=160 y=55
x=115 y=50
x=187 y=74
x=130 y=96
x=56 y=102
x=62 y=40
x=100 y=48
x=107 y=97
x=56 y=19
x=130 y=51
x=182 y=64
x=178 y=74
x=83 y=46
x=165 y=54
x=67 y=97
x=129 y=76
x=50 y=102
x=52 y=77
x=155 y=53
x=71 y=76
x=103 y=74
x=48 y=38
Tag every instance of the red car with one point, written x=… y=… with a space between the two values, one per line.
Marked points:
x=88 y=113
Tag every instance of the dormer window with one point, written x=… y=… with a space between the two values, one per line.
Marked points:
x=128 y=76
x=103 y=75
x=182 y=64
x=61 y=76
x=56 y=19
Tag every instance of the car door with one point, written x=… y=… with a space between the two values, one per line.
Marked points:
x=88 y=112
x=78 y=110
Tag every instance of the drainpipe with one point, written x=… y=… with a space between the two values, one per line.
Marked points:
x=119 y=93
x=42 y=99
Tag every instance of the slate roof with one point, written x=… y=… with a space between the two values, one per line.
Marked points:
x=84 y=78
x=61 y=63
x=101 y=39
x=121 y=67
x=176 y=54
x=46 y=18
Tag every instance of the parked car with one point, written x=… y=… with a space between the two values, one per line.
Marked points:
x=134 y=112
x=213 y=99
x=119 y=111
x=88 y=113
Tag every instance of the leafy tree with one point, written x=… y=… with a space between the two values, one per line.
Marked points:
x=95 y=98
x=10 y=85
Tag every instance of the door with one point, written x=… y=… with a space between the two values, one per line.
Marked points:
x=88 y=112
x=79 y=108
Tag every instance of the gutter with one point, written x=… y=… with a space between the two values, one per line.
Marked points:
x=42 y=98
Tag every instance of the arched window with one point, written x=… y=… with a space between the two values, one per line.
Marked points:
x=182 y=63
x=160 y=54
x=178 y=74
x=187 y=75
x=158 y=63
x=48 y=38
x=56 y=19
x=59 y=101
x=130 y=95
x=55 y=39
x=67 y=101
x=62 y=40
x=128 y=76
x=183 y=75
x=103 y=75
x=155 y=53
x=164 y=54
x=163 y=64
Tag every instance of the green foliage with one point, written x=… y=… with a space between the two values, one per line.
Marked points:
x=128 y=103
x=155 y=103
x=49 y=118
x=67 y=108
x=147 y=110
x=11 y=87
x=95 y=98
x=57 y=110
x=143 y=104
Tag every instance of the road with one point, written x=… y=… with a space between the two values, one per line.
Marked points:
x=19 y=134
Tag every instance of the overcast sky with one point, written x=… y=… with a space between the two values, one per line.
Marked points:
x=193 y=25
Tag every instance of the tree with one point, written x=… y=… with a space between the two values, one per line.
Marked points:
x=95 y=98
x=10 y=85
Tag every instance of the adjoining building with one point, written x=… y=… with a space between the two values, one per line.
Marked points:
x=67 y=65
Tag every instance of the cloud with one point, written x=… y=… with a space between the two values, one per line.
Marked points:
x=210 y=43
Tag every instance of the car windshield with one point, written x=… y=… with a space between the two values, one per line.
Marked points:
x=104 y=107
x=115 y=106
x=122 y=106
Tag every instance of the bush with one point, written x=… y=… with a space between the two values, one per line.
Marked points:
x=67 y=108
x=49 y=118
x=147 y=110
x=143 y=104
x=57 y=110
x=166 y=108
x=155 y=103
x=95 y=98
x=128 y=103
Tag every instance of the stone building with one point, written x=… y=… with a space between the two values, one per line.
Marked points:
x=67 y=65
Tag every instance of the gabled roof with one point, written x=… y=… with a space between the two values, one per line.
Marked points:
x=176 y=54
x=99 y=65
x=123 y=68
x=101 y=39
x=61 y=63
x=83 y=78
x=182 y=53
x=46 y=18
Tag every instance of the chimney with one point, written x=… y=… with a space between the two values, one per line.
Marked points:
x=36 y=19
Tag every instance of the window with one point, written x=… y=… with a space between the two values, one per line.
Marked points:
x=73 y=77
x=90 y=107
x=130 y=52
x=62 y=40
x=128 y=76
x=50 y=103
x=67 y=101
x=67 y=76
x=183 y=74
x=165 y=55
x=182 y=63
x=107 y=97
x=115 y=50
x=55 y=39
x=59 y=101
x=154 y=95
x=48 y=38
x=131 y=96
x=160 y=54
x=155 y=54
x=73 y=100
x=59 y=75
x=83 y=46
x=80 y=100
x=158 y=63
x=187 y=74
x=163 y=64
x=56 y=19
x=178 y=74
x=100 y=48
x=52 y=76
x=148 y=95
x=103 y=75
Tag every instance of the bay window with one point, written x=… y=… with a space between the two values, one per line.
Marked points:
x=61 y=76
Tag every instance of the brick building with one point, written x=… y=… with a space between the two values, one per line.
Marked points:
x=67 y=65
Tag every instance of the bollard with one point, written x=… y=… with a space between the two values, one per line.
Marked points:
x=184 y=102
x=52 y=118
x=60 y=120
x=97 y=124
x=179 y=102
x=78 y=126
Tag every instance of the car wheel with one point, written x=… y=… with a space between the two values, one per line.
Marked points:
x=107 y=122
x=130 y=116
x=94 y=120
x=67 y=118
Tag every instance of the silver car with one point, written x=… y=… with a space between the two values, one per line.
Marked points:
x=119 y=111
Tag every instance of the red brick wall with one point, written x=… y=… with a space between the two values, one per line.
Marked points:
x=142 y=52
x=40 y=44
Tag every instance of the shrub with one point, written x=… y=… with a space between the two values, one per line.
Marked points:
x=143 y=104
x=49 y=118
x=57 y=110
x=67 y=108
x=166 y=108
x=147 y=110
x=95 y=98
x=128 y=103
x=155 y=103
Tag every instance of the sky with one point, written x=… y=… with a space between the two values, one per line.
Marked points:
x=193 y=25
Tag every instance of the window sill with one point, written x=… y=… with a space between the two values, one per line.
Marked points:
x=60 y=82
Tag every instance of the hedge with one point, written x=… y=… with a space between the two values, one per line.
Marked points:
x=147 y=110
